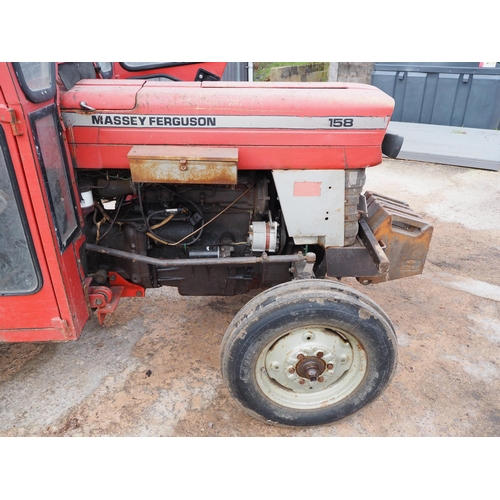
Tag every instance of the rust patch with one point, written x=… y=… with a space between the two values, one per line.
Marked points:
x=184 y=164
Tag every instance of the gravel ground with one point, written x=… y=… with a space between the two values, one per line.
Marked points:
x=153 y=370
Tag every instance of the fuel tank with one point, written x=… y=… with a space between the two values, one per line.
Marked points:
x=273 y=125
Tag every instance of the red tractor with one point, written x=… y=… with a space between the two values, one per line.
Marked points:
x=118 y=177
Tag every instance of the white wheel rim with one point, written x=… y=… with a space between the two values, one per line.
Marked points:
x=342 y=364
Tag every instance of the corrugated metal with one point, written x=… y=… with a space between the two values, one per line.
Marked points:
x=236 y=72
x=453 y=94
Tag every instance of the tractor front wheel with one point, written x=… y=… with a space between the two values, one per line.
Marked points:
x=308 y=352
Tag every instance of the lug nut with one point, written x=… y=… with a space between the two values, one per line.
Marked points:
x=291 y=370
x=300 y=357
x=302 y=381
x=329 y=366
x=320 y=354
x=321 y=379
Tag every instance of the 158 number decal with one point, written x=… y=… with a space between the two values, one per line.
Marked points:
x=341 y=122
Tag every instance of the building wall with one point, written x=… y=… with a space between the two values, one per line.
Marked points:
x=354 y=72
x=313 y=72
x=357 y=72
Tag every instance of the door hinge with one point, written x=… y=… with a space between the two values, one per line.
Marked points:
x=8 y=115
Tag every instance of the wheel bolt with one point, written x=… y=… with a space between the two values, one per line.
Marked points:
x=291 y=370
x=311 y=375
x=300 y=357
x=302 y=381
x=321 y=379
x=329 y=366
x=320 y=354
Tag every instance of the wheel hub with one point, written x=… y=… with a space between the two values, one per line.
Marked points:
x=307 y=360
x=311 y=367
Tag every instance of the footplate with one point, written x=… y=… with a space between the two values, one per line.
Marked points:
x=403 y=234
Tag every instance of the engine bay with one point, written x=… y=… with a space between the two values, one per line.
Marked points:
x=167 y=221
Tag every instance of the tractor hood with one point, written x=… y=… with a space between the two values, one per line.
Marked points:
x=273 y=125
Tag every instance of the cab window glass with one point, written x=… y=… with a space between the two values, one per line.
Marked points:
x=18 y=270
x=106 y=69
x=139 y=66
x=54 y=169
x=37 y=79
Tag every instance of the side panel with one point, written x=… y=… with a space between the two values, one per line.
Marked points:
x=313 y=205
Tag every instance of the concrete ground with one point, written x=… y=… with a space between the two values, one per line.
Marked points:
x=153 y=370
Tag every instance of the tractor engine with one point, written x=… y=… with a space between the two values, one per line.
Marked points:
x=185 y=222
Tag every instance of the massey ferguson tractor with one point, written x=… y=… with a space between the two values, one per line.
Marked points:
x=119 y=177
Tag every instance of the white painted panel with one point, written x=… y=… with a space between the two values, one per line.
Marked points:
x=226 y=121
x=313 y=205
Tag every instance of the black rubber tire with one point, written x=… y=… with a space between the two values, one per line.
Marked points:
x=305 y=303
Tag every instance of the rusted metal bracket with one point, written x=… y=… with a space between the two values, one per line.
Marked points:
x=304 y=269
x=405 y=234
x=8 y=115
x=373 y=246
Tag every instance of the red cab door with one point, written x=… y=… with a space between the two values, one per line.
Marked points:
x=41 y=281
